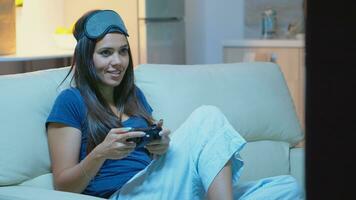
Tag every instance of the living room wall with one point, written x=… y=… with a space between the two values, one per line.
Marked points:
x=208 y=23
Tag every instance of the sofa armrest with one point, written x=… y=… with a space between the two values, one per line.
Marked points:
x=297 y=165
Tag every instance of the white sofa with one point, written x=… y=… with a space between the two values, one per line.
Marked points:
x=253 y=96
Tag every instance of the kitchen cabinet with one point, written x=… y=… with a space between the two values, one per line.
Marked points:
x=28 y=62
x=288 y=54
x=32 y=65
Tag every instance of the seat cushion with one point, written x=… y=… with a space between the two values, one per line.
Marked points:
x=264 y=159
x=44 y=181
x=297 y=165
x=32 y=193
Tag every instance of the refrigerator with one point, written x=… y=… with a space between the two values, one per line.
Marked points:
x=161 y=31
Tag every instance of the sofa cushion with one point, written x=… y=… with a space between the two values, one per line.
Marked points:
x=264 y=159
x=44 y=181
x=297 y=163
x=25 y=102
x=253 y=96
x=32 y=193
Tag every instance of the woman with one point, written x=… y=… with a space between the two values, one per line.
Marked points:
x=90 y=141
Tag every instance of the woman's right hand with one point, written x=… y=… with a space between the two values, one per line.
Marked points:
x=115 y=145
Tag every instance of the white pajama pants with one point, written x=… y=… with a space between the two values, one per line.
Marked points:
x=199 y=149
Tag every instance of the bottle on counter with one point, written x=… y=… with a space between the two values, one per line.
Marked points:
x=269 y=24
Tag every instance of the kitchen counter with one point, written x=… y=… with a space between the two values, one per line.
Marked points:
x=30 y=60
x=263 y=43
x=32 y=56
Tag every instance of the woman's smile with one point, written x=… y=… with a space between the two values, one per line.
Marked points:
x=115 y=73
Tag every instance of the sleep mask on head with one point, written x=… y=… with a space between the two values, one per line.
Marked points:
x=100 y=23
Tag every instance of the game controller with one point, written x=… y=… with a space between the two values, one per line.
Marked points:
x=151 y=133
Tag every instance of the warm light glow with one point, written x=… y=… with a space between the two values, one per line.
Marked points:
x=19 y=3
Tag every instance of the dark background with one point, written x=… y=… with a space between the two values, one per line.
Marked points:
x=330 y=100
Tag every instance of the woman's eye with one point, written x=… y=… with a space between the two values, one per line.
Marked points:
x=124 y=51
x=105 y=53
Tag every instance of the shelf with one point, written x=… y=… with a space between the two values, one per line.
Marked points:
x=263 y=43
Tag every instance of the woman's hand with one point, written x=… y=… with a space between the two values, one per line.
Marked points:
x=159 y=147
x=115 y=145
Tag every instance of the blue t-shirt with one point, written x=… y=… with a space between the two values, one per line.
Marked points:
x=70 y=109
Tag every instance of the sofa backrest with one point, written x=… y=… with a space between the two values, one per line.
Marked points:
x=25 y=102
x=253 y=96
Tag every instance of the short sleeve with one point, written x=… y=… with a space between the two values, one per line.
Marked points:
x=141 y=97
x=68 y=109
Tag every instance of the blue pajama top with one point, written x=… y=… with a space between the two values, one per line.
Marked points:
x=70 y=109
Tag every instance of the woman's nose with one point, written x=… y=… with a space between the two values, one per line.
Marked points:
x=116 y=59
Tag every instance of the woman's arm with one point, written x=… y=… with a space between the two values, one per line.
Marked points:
x=64 y=144
x=70 y=174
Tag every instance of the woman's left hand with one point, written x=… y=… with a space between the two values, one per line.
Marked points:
x=159 y=147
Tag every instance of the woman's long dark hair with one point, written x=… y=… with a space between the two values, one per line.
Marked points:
x=100 y=117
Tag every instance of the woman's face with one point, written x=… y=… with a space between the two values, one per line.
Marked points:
x=111 y=58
